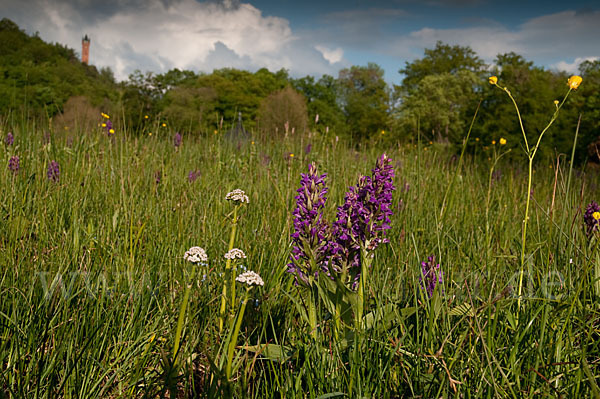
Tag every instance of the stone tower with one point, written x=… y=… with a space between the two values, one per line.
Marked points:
x=85 y=50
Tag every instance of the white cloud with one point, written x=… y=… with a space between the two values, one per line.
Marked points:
x=160 y=34
x=547 y=40
x=572 y=67
x=333 y=56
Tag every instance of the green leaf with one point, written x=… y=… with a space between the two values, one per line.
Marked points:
x=299 y=307
x=383 y=314
x=462 y=310
x=273 y=352
x=331 y=395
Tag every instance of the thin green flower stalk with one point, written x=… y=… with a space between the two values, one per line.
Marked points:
x=195 y=255
x=488 y=237
x=366 y=260
x=239 y=197
x=251 y=279
x=573 y=83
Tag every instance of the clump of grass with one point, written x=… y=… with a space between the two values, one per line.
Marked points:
x=92 y=279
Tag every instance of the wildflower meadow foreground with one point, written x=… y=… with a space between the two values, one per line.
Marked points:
x=176 y=265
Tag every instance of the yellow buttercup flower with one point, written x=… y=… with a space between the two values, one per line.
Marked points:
x=502 y=141
x=596 y=215
x=383 y=132
x=111 y=131
x=164 y=125
x=476 y=138
x=104 y=125
x=145 y=116
x=291 y=155
x=493 y=142
x=493 y=80
x=574 y=82
x=150 y=134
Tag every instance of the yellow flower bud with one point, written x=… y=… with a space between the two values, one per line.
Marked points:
x=493 y=80
x=502 y=141
x=493 y=142
x=555 y=102
x=596 y=215
x=574 y=82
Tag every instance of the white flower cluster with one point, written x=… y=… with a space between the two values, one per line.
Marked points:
x=195 y=255
x=237 y=195
x=250 y=278
x=235 y=253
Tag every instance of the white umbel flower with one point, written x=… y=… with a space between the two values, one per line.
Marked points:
x=235 y=253
x=195 y=255
x=250 y=278
x=237 y=195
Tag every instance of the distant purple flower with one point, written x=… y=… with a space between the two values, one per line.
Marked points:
x=157 y=176
x=591 y=223
x=14 y=164
x=364 y=218
x=496 y=175
x=109 y=127
x=431 y=275
x=10 y=139
x=310 y=230
x=177 y=140
x=193 y=175
x=308 y=149
x=53 y=171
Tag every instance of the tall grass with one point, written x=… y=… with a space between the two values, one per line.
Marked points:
x=92 y=276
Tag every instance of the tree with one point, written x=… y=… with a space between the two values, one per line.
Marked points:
x=365 y=98
x=534 y=90
x=441 y=104
x=442 y=59
x=187 y=108
x=441 y=91
x=322 y=100
x=283 y=111
x=587 y=102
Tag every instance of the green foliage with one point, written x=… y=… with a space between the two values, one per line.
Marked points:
x=282 y=112
x=535 y=90
x=38 y=78
x=241 y=91
x=442 y=59
x=439 y=93
x=189 y=108
x=322 y=97
x=365 y=98
x=441 y=104
x=588 y=104
x=92 y=275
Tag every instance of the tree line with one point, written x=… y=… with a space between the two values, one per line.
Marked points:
x=436 y=100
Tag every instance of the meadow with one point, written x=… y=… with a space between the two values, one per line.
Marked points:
x=97 y=300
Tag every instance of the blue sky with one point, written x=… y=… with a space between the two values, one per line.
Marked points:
x=310 y=37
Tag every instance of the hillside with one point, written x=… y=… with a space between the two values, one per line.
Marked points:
x=39 y=78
